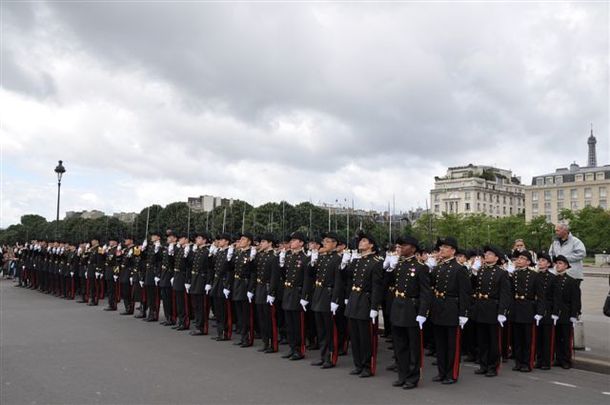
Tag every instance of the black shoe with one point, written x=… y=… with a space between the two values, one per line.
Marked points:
x=269 y=350
x=149 y=320
x=91 y=304
x=196 y=333
x=176 y=326
x=398 y=383
x=491 y=373
x=435 y=363
x=437 y=378
x=109 y=309
x=480 y=371
x=263 y=349
x=125 y=313
x=525 y=369
x=296 y=356
x=448 y=381
x=545 y=368
x=317 y=363
x=392 y=367
x=366 y=373
x=287 y=355
x=356 y=371
x=245 y=344
x=164 y=323
x=537 y=365
x=170 y=323
x=566 y=366
x=409 y=386
x=238 y=343
x=327 y=364
x=516 y=368
x=140 y=315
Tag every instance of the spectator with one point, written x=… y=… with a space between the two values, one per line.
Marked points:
x=519 y=246
x=571 y=247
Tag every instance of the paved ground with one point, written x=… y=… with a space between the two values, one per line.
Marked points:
x=55 y=351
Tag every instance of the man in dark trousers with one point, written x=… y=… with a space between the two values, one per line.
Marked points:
x=153 y=258
x=411 y=286
x=293 y=302
x=527 y=309
x=128 y=268
x=266 y=274
x=241 y=297
x=567 y=296
x=365 y=290
x=201 y=266
x=165 y=277
x=545 y=328
x=492 y=300
x=452 y=294
x=111 y=273
x=94 y=266
x=217 y=286
x=182 y=264
x=322 y=288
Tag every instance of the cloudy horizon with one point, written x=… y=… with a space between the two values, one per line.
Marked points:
x=151 y=102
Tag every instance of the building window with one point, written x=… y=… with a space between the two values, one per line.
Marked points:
x=437 y=197
x=467 y=195
x=467 y=205
x=478 y=206
x=574 y=205
x=547 y=195
x=484 y=197
x=587 y=203
x=579 y=177
x=574 y=194
x=558 y=179
x=510 y=210
x=436 y=208
x=599 y=175
x=589 y=176
x=478 y=195
x=588 y=192
x=602 y=192
x=559 y=205
x=560 y=194
x=534 y=196
x=504 y=210
x=540 y=181
x=547 y=206
x=549 y=180
x=534 y=206
x=548 y=217
x=603 y=204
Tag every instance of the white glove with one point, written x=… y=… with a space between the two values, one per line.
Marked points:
x=252 y=253
x=250 y=296
x=304 y=305
x=393 y=262
x=157 y=279
x=431 y=262
x=334 y=307
x=537 y=318
x=71 y=274
x=194 y=248
x=355 y=255
x=282 y=258
x=270 y=299
x=420 y=320
x=115 y=277
x=85 y=274
x=213 y=250
x=555 y=318
x=476 y=265
x=207 y=288
x=97 y=275
x=373 y=315
x=230 y=252
x=386 y=261
x=144 y=244
x=573 y=320
x=314 y=257
x=226 y=293
x=187 y=286
x=501 y=320
x=141 y=284
x=346 y=259
x=510 y=267
x=171 y=281
x=130 y=280
x=157 y=246
x=463 y=321
x=346 y=301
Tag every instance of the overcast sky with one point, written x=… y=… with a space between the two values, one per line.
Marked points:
x=152 y=102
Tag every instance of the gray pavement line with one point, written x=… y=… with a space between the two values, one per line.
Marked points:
x=564 y=384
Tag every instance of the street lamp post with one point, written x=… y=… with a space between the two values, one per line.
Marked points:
x=60 y=170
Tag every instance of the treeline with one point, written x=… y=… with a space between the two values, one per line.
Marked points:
x=591 y=225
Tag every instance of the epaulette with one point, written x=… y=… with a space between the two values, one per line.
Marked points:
x=378 y=258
